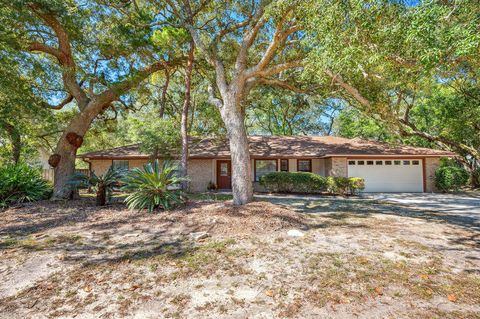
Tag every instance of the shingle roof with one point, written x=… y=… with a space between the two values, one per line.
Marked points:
x=280 y=146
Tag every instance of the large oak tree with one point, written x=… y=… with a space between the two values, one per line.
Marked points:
x=98 y=55
x=246 y=44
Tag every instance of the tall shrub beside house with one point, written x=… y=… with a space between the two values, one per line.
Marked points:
x=154 y=186
x=21 y=183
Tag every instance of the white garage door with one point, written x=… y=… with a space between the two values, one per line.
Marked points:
x=396 y=175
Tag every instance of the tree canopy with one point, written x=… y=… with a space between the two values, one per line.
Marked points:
x=77 y=76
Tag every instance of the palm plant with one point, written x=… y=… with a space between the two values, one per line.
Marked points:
x=154 y=187
x=101 y=184
x=21 y=183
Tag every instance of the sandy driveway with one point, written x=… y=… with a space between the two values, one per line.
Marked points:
x=462 y=208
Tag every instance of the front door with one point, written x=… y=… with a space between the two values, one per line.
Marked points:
x=224 y=174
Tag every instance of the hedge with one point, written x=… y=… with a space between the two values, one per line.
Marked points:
x=303 y=182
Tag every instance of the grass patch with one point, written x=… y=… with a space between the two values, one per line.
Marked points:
x=40 y=243
x=210 y=196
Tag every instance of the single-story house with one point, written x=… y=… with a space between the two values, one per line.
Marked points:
x=385 y=168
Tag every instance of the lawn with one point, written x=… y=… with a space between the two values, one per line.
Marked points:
x=355 y=259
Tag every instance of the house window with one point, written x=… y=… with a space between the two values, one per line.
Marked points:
x=388 y=162
x=378 y=162
x=223 y=169
x=361 y=162
x=351 y=162
x=284 y=165
x=406 y=162
x=396 y=162
x=120 y=164
x=263 y=167
x=304 y=165
x=369 y=162
x=415 y=162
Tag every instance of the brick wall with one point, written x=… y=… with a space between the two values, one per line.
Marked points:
x=318 y=166
x=101 y=166
x=431 y=164
x=336 y=166
x=200 y=173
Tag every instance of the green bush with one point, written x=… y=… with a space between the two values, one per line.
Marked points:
x=303 y=182
x=299 y=182
x=450 y=178
x=337 y=185
x=153 y=187
x=22 y=183
x=356 y=185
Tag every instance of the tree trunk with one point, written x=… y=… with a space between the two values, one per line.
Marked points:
x=101 y=195
x=16 y=140
x=184 y=124
x=242 y=187
x=66 y=150
x=163 y=99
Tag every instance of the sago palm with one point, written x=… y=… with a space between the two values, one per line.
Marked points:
x=101 y=184
x=154 y=186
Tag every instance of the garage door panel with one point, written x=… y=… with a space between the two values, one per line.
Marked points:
x=389 y=178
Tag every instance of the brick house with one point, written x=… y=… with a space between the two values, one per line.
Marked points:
x=384 y=167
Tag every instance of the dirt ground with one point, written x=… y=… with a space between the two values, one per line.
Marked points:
x=362 y=259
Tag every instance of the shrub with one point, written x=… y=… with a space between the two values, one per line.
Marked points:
x=356 y=185
x=302 y=182
x=22 y=183
x=450 y=178
x=211 y=186
x=102 y=184
x=286 y=182
x=153 y=187
x=337 y=185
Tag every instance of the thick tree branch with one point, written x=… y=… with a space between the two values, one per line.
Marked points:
x=59 y=106
x=248 y=39
x=63 y=54
x=118 y=89
x=337 y=78
x=281 y=84
x=41 y=47
x=212 y=99
x=277 y=41
x=274 y=69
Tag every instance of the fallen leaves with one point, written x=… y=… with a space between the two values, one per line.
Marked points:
x=135 y=287
x=424 y=277
x=269 y=293
x=379 y=290
x=452 y=297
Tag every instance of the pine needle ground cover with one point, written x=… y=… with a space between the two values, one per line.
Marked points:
x=356 y=258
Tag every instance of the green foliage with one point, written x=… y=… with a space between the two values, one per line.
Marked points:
x=102 y=184
x=304 y=182
x=450 y=178
x=157 y=136
x=154 y=187
x=300 y=182
x=169 y=37
x=356 y=185
x=22 y=183
x=337 y=184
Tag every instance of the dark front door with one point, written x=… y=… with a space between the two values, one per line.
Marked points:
x=224 y=174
